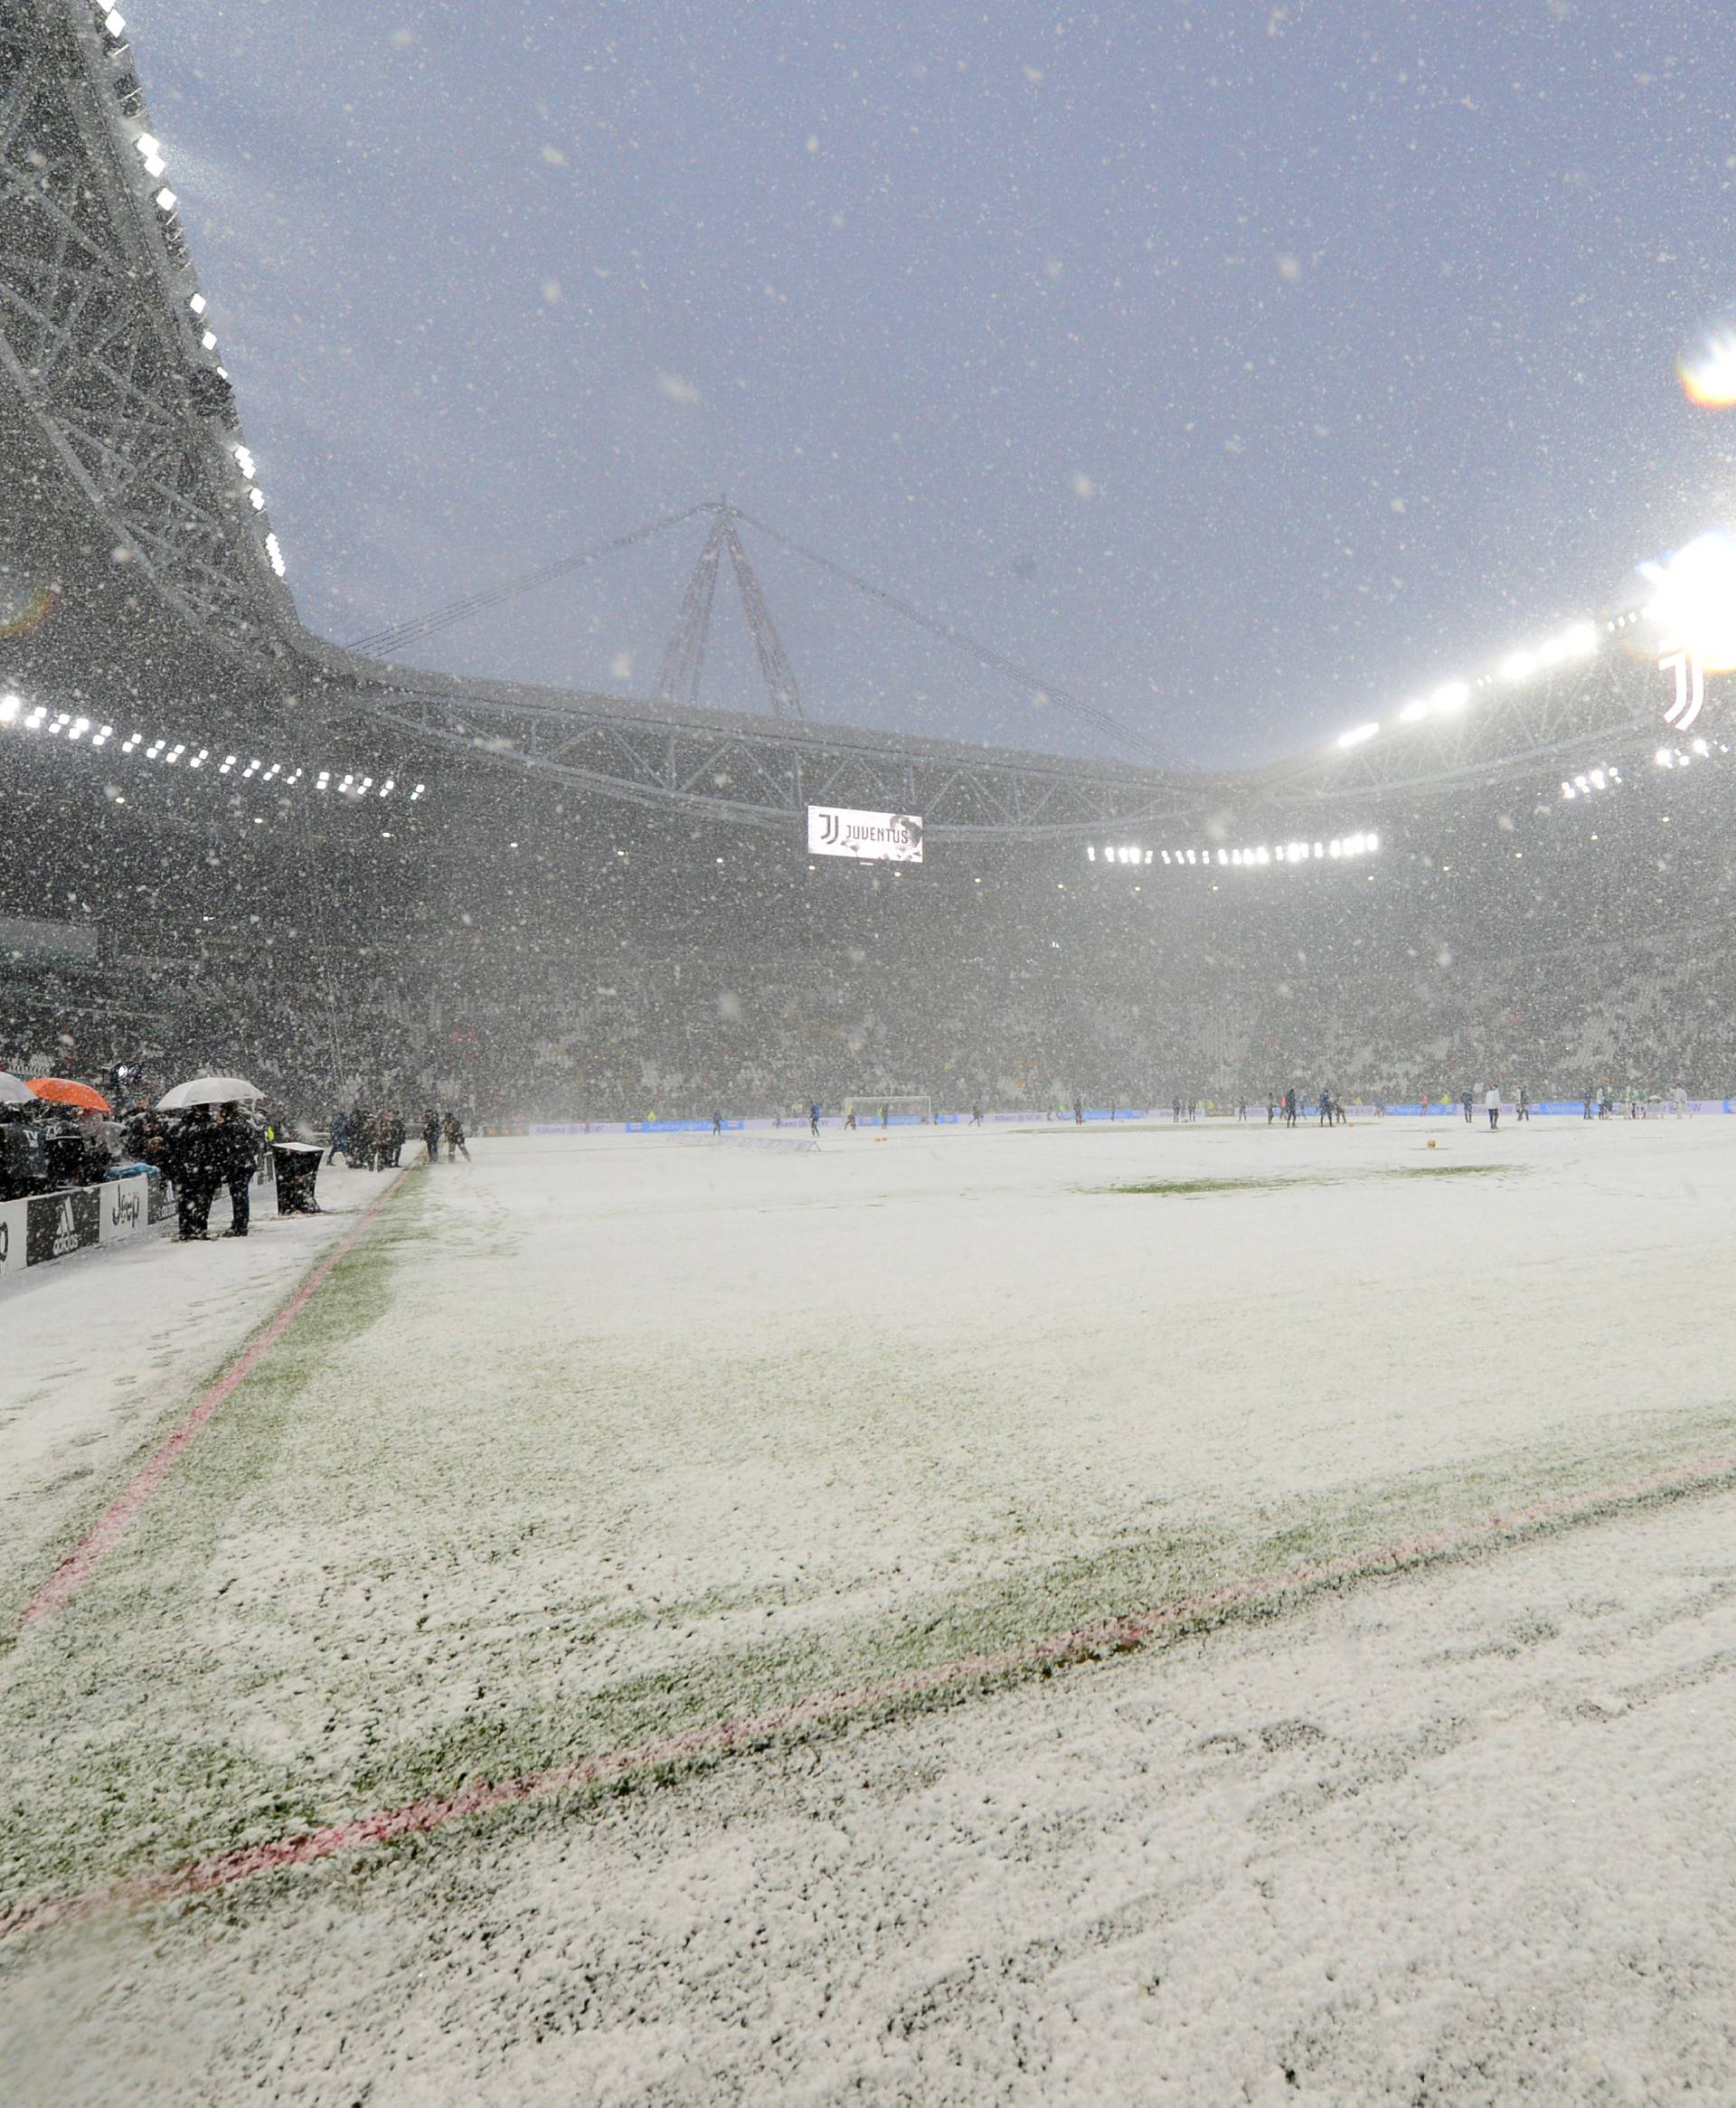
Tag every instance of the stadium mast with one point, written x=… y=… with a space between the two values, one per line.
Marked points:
x=683 y=663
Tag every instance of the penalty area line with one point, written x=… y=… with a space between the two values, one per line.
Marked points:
x=119 y=1516
x=745 y=1732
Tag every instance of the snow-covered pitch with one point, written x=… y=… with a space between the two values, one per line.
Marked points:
x=590 y=1446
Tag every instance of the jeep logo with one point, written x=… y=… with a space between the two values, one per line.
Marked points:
x=124 y=1211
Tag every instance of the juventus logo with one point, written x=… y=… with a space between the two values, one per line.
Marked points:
x=1690 y=687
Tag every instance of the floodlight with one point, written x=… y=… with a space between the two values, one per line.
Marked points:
x=1693 y=603
x=1708 y=376
x=1518 y=666
x=1453 y=697
x=1357 y=734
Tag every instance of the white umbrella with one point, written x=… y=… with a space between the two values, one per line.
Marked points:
x=14 y=1092
x=208 y=1091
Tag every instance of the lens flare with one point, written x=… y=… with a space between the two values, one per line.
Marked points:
x=1693 y=601
x=1708 y=372
x=27 y=608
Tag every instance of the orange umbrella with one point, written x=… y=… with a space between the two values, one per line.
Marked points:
x=61 y=1091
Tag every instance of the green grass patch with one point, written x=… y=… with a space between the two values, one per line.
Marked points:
x=1178 y=1187
x=1279 y=1182
x=1456 y=1170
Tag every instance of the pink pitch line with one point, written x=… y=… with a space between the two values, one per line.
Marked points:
x=753 y=1730
x=119 y=1516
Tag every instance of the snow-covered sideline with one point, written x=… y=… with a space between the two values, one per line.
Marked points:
x=97 y=1350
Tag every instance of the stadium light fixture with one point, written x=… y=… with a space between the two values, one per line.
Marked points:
x=1413 y=711
x=275 y=553
x=1357 y=734
x=1694 y=600
x=9 y=708
x=1708 y=374
x=114 y=23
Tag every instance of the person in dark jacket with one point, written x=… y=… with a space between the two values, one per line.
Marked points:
x=431 y=1133
x=454 y=1128
x=239 y=1144
x=196 y=1154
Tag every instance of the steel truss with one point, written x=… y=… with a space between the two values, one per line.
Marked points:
x=98 y=332
x=1560 y=721
x=766 y=773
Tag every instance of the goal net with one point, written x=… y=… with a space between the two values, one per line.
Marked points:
x=882 y=1108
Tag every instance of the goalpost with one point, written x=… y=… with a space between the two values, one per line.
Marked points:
x=889 y=1109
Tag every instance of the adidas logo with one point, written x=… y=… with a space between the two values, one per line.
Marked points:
x=66 y=1230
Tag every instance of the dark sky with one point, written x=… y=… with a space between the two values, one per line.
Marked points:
x=1242 y=368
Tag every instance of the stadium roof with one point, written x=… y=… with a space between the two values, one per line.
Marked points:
x=109 y=373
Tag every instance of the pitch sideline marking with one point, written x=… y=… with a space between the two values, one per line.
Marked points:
x=119 y=1516
x=749 y=1731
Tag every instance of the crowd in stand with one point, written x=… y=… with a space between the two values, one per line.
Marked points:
x=531 y=1022
x=683 y=1034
